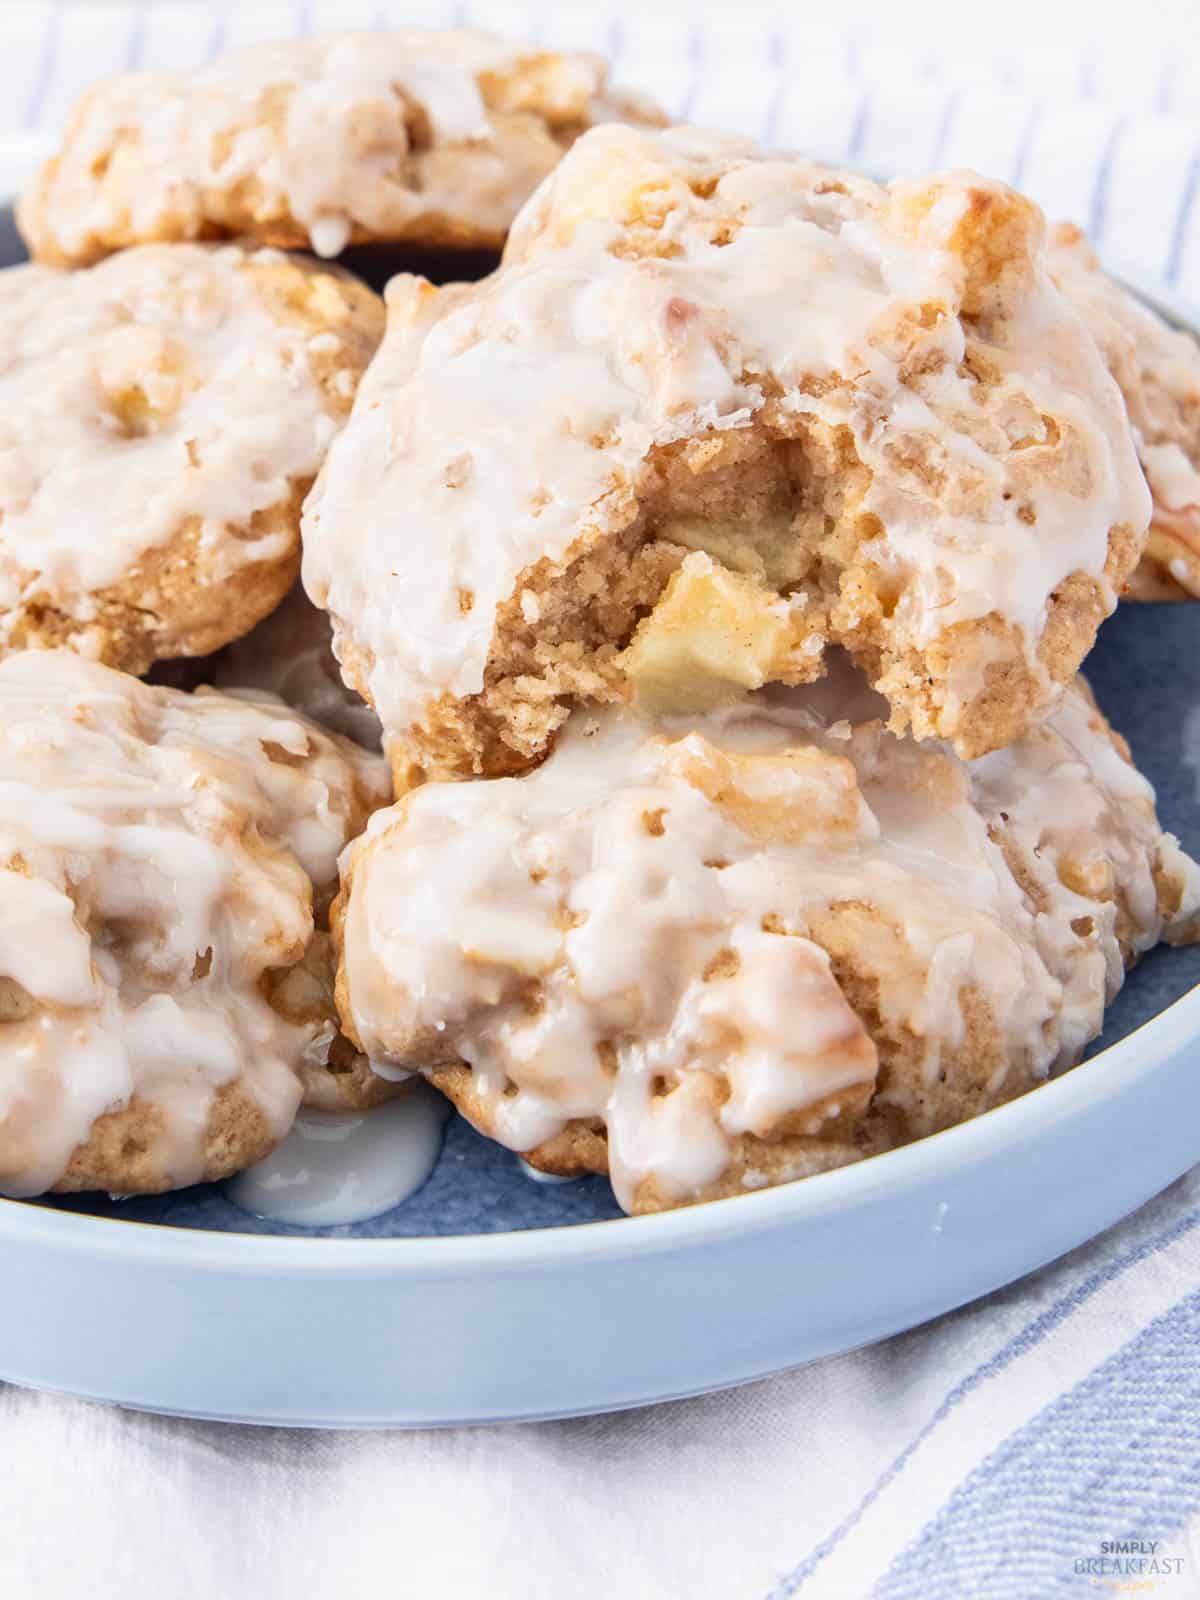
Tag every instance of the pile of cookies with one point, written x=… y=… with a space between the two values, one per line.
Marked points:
x=676 y=750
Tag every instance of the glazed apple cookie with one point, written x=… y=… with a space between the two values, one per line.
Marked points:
x=1157 y=368
x=430 y=138
x=720 y=954
x=716 y=411
x=162 y=859
x=162 y=416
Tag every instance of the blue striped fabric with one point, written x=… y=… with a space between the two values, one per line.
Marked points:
x=1083 y=1463
x=1107 y=134
x=936 y=1534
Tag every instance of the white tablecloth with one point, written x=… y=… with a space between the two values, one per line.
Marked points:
x=993 y=1453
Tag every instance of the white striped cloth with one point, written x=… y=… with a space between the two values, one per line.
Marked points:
x=988 y=1456
x=1094 y=110
x=992 y=1454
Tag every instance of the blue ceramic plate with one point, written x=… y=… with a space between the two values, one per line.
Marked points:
x=489 y=1296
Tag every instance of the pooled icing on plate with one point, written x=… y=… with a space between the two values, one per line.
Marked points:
x=342 y=1167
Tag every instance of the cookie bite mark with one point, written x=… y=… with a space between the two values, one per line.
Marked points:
x=162 y=417
x=708 y=954
x=715 y=413
x=410 y=136
x=165 y=860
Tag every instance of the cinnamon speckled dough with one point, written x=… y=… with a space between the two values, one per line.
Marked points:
x=163 y=996
x=1158 y=370
x=423 y=137
x=334 y=1076
x=715 y=411
x=709 y=957
x=162 y=416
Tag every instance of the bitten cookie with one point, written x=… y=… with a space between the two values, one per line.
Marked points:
x=716 y=411
x=433 y=139
x=162 y=857
x=162 y=416
x=1158 y=370
x=716 y=956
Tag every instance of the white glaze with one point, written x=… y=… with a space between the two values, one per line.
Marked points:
x=536 y=1175
x=1157 y=368
x=341 y=1167
x=158 y=856
x=154 y=391
x=325 y=130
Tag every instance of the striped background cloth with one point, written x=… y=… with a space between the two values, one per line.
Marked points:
x=989 y=1454
x=1101 y=124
